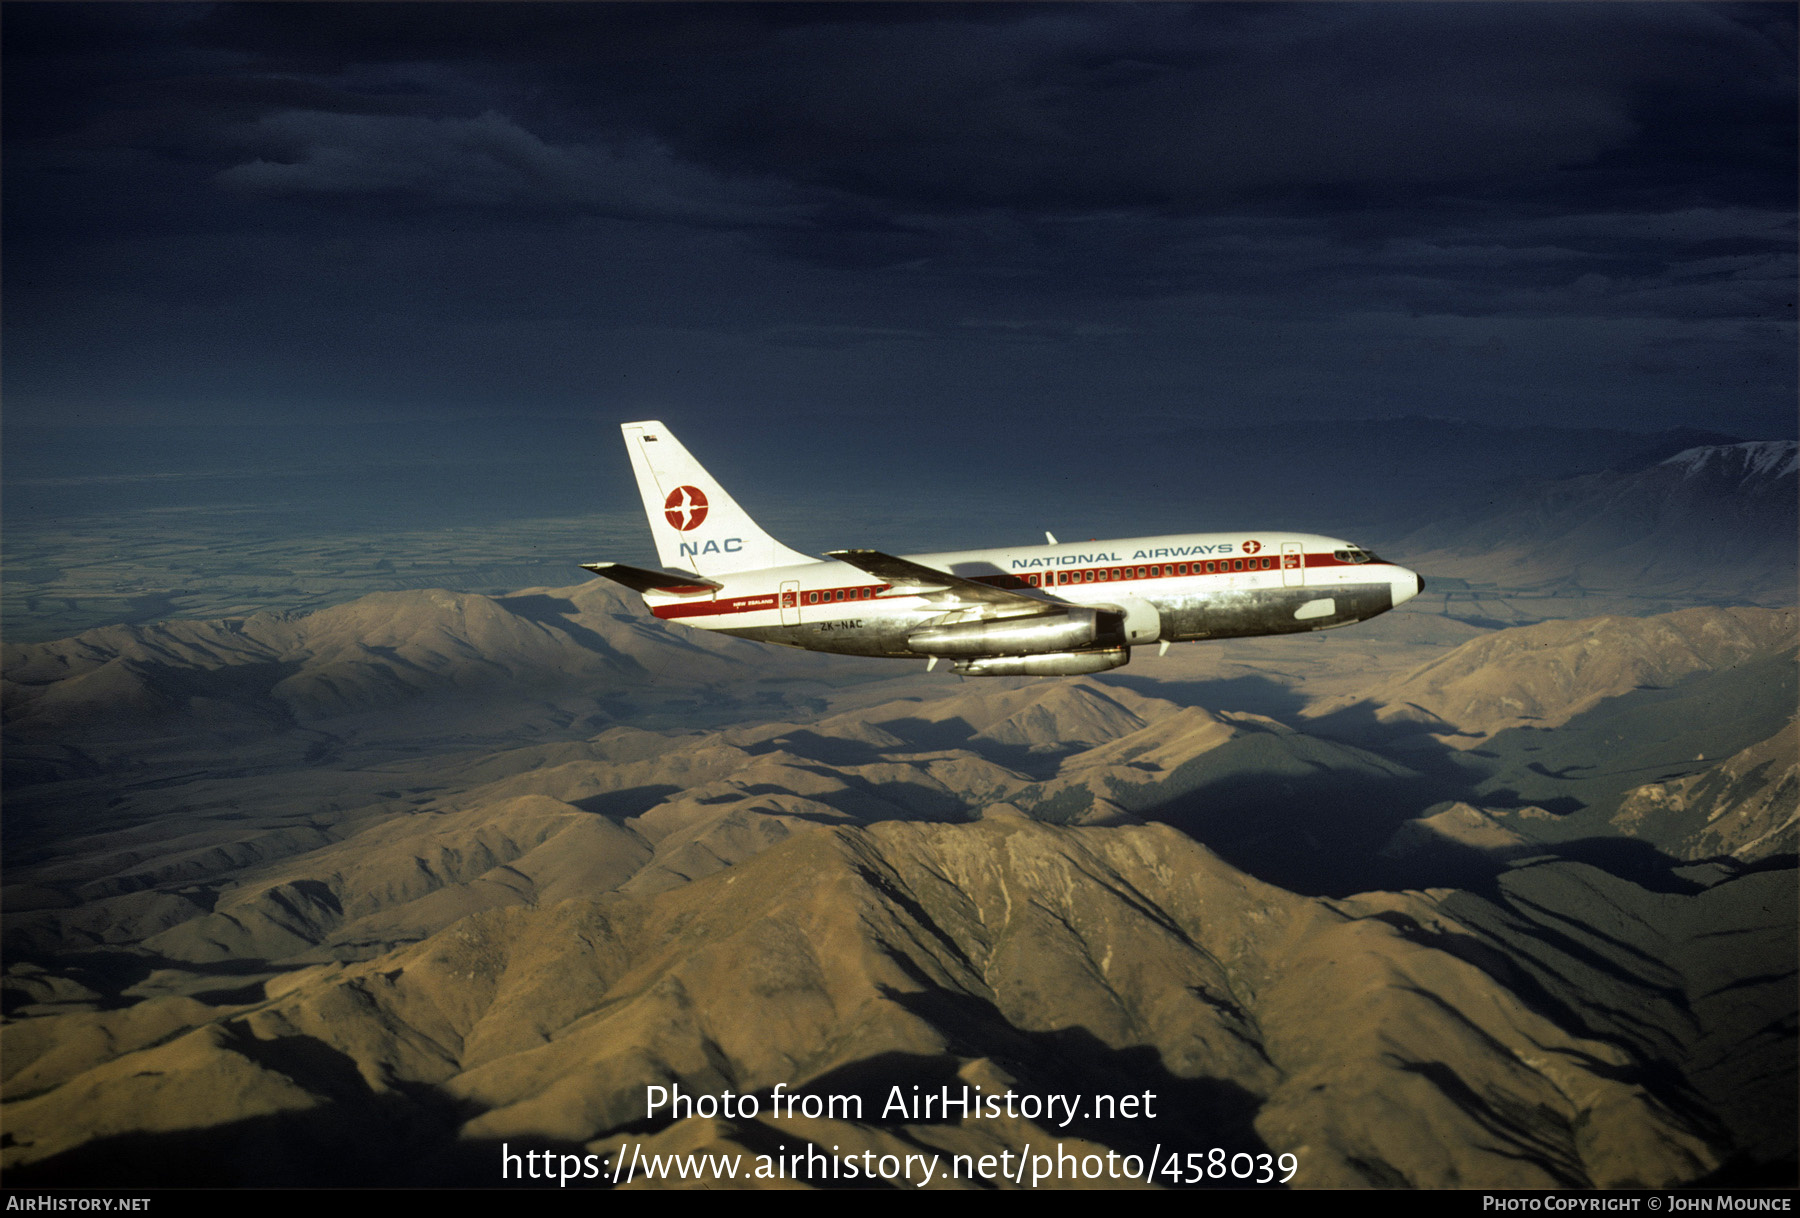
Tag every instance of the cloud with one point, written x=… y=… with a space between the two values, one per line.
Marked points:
x=1185 y=108
x=491 y=161
x=1180 y=108
x=919 y=207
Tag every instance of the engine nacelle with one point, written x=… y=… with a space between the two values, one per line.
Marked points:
x=1019 y=636
x=1059 y=664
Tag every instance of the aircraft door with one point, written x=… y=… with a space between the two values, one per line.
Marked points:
x=790 y=602
x=1293 y=565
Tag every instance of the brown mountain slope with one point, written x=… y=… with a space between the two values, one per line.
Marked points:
x=1545 y=675
x=1125 y=958
x=627 y=810
x=372 y=653
x=1747 y=807
x=1700 y=979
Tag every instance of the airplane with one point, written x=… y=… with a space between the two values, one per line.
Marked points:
x=1051 y=610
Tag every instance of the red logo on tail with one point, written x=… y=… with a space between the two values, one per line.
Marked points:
x=685 y=507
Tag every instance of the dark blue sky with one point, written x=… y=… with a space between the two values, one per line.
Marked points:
x=1142 y=218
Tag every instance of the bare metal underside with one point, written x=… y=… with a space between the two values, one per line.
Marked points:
x=1226 y=614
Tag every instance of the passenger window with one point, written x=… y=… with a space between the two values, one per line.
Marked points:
x=812 y=598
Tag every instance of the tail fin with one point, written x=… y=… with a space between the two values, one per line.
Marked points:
x=697 y=526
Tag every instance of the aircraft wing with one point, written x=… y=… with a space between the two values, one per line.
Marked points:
x=916 y=579
x=638 y=579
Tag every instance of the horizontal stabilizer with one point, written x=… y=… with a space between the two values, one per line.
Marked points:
x=917 y=579
x=640 y=579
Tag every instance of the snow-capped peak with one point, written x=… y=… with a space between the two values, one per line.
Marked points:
x=1754 y=458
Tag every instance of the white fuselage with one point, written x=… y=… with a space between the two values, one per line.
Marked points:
x=1171 y=588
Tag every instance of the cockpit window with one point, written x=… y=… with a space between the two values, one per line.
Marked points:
x=1354 y=555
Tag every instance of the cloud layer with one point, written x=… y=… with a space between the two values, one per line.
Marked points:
x=1578 y=212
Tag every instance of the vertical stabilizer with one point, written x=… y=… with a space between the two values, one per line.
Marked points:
x=697 y=526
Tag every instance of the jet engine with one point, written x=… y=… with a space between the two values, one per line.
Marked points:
x=1037 y=634
x=1056 y=664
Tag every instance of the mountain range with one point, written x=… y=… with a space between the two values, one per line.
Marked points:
x=1713 y=524
x=366 y=895
x=391 y=954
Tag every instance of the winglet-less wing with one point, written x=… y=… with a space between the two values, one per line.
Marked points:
x=916 y=579
x=638 y=579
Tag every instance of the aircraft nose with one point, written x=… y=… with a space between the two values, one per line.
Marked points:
x=1406 y=585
